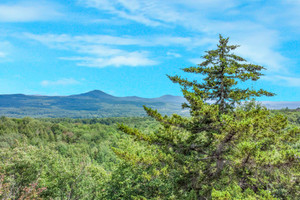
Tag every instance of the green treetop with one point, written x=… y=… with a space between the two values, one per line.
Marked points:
x=223 y=70
x=220 y=151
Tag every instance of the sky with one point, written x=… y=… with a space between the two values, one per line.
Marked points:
x=126 y=47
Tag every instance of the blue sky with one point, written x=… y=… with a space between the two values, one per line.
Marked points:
x=126 y=47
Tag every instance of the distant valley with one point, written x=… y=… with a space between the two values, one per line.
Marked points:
x=96 y=104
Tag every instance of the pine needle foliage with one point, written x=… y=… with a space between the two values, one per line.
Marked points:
x=223 y=70
x=220 y=151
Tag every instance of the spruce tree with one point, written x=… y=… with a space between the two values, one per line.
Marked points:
x=223 y=71
x=220 y=151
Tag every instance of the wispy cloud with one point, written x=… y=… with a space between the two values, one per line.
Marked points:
x=206 y=19
x=195 y=60
x=157 y=12
x=106 y=50
x=97 y=51
x=261 y=47
x=131 y=10
x=60 y=82
x=284 y=80
x=2 y=54
x=28 y=11
x=255 y=31
x=5 y=50
x=59 y=40
x=173 y=54
x=133 y=59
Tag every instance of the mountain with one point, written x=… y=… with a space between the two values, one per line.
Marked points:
x=281 y=104
x=97 y=103
x=92 y=104
x=94 y=94
x=170 y=98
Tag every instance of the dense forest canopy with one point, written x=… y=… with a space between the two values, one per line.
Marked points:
x=45 y=156
x=59 y=158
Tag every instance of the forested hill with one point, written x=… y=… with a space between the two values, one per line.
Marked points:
x=97 y=104
x=87 y=105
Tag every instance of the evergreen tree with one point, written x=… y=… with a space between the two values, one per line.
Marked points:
x=220 y=151
x=223 y=70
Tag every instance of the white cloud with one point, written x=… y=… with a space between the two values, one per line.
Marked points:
x=60 y=82
x=28 y=11
x=261 y=48
x=257 y=32
x=282 y=15
x=6 y=49
x=157 y=12
x=284 y=80
x=97 y=50
x=106 y=50
x=196 y=61
x=2 y=54
x=132 y=10
x=245 y=21
x=173 y=54
x=61 y=40
x=132 y=59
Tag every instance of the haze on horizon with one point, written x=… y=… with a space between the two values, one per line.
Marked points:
x=126 y=48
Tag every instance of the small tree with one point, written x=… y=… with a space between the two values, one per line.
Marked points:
x=220 y=151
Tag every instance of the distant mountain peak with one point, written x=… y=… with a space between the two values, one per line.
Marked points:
x=171 y=98
x=95 y=94
x=168 y=96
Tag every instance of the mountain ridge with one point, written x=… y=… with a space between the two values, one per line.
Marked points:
x=97 y=103
x=92 y=93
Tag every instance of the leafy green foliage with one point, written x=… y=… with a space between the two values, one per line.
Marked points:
x=10 y=190
x=75 y=158
x=60 y=158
